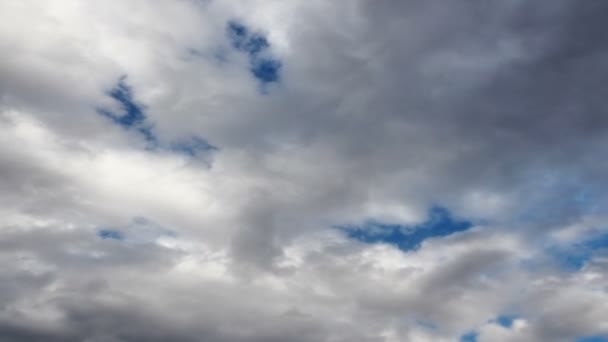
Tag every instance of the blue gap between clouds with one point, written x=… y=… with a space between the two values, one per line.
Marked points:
x=438 y=224
x=139 y=230
x=575 y=256
x=469 y=337
x=562 y=192
x=133 y=117
x=110 y=234
x=262 y=66
x=593 y=339
x=192 y=146
x=427 y=325
x=506 y=321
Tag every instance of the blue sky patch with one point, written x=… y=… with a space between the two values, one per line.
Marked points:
x=132 y=115
x=263 y=67
x=140 y=230
x=242 y=39
x=238 y=34
x=575 y=256
x=506 y=321
x=556 y=195
x=569 y=259
x=438 y=224
x=469 y=337
x=133 y=112
x=110 y=234
x=427 y=325
x=192 y=146
x=266 y=70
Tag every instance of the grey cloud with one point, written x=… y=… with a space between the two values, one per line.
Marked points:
x=425 y=103
x=493 y=109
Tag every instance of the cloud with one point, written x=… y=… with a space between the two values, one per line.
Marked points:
x=176 y=170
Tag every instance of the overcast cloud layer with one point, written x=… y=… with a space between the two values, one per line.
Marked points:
x=303 y=171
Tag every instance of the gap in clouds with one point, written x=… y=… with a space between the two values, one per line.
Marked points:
x=506 y=321
x=439 y=223
x=192 y=146
x=133 y=117
x=110 y=234
x=262 y=66
x=469 y=337
x=575 y=256
x=139 y=231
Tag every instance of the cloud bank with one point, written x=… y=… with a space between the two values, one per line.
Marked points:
x=305 y=171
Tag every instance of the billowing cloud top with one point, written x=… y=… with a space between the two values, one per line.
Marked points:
x=303 y=171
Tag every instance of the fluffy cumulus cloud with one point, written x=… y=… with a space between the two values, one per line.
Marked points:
x=305 y=171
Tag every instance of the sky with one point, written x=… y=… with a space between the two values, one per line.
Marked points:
x=303 y=171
